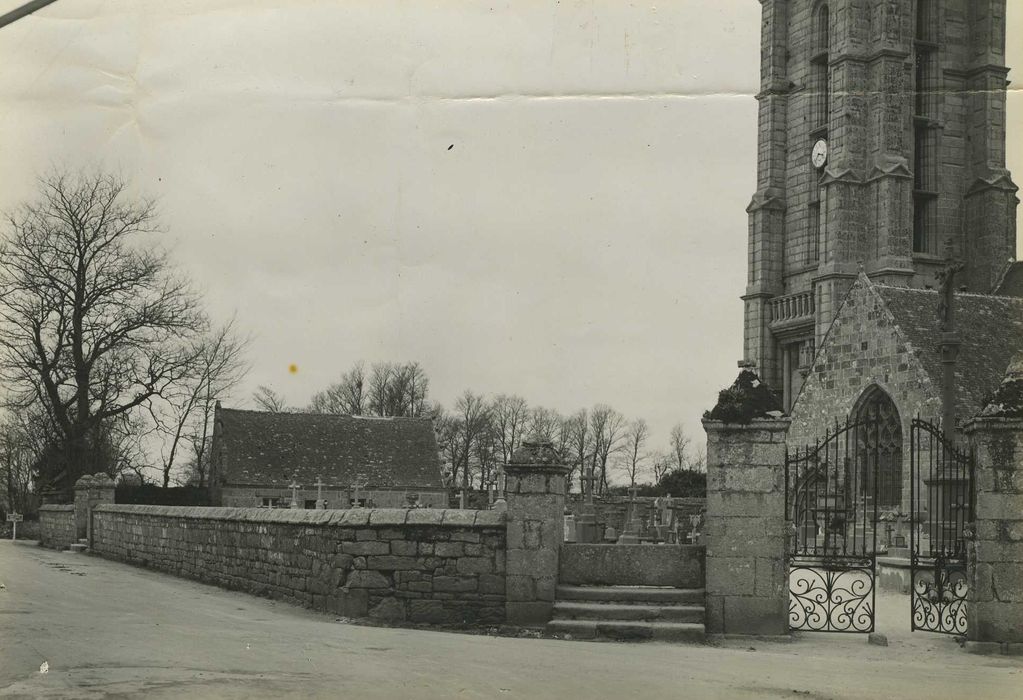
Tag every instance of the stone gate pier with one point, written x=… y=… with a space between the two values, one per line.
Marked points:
x=535 y=493
x=995 y=555
x=745 y=532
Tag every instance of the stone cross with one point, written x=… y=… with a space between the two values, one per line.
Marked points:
x=294 y=486
x=632 y=524
x=356 y=486
x=588 y=480
x=319 y=493
x=948 y=346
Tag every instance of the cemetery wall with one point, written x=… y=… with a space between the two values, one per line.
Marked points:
x=57 y=526
x=681 y=566
x=417 y=565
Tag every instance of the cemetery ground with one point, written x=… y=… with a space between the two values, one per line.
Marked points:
x=108 y=629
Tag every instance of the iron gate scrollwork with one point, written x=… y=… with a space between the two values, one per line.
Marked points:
x=941 y=508
x=831 y=503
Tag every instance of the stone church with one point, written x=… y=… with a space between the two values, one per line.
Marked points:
x=881 y=141
x=881 y=161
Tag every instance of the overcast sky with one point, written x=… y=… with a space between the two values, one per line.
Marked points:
x=535 y=197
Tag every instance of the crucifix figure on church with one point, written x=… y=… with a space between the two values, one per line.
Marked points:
x=950 y=341
x=294 y=486
x=946 y=289
x=320 y=505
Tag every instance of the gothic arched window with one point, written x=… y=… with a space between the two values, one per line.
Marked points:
x=880 y=446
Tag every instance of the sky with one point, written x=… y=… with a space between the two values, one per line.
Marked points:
x=534 y=197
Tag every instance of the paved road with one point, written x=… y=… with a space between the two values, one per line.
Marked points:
x=107 y=629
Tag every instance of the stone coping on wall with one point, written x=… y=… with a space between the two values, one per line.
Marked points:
x=351 y=517
x=757 y=423
x=993 y=423
x=58 y=507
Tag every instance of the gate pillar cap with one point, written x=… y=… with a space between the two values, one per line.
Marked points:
x=1007 y=401
x=746 y=399
x=537 y=456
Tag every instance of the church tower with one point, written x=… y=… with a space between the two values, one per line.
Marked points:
x=881 y=142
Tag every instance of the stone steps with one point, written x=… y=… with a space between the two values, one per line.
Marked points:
x=629 y=613
x=80 y=547
x=632 y=594
x=577 y=610
x=628 y=631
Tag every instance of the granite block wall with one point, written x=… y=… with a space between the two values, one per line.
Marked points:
x=57 y=526
x=416 y=565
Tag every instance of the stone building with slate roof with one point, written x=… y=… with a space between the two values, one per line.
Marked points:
x=881 y=355
x=379 y=462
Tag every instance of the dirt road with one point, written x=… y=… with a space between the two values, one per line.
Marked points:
x=106 y=629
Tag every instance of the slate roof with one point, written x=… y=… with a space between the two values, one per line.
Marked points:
x=991 y=328
x=269 y=449
x=1011 y=282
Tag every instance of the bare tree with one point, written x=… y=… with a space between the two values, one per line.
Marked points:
x=450 y=441
x=415 y=389
x=474 y=415
x=634 y=443
x=346 y=397
x=578 y=438
x=661 y=464
x=397 y=389
x=93 y=321
x=679 y=446
x=183 y=415
x=269 y=400
x=486 y=450
x=544 y=424
x=22 y=443
x=698 y=462
x=509 y=417
x=607 y=428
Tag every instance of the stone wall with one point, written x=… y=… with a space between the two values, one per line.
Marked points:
x=57 y=526
x=419 y=565
x=681 y=566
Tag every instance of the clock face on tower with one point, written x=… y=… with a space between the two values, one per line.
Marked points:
x=819 y=155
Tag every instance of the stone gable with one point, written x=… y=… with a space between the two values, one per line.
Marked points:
x=863 y=347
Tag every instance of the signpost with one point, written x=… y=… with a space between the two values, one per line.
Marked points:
x=14 y=519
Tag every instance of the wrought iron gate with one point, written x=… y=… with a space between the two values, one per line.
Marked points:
x=831 y=499
x=941 y=506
